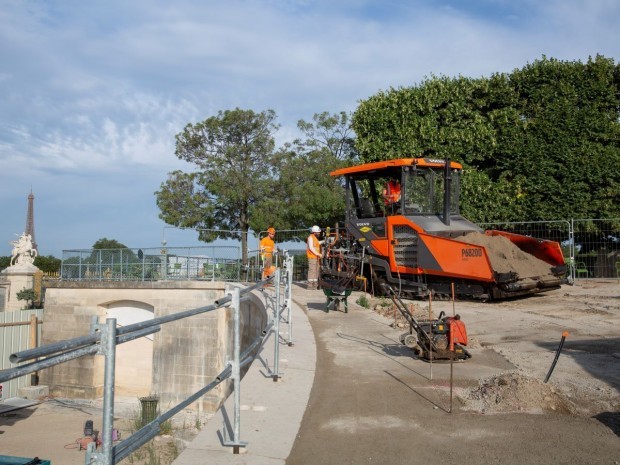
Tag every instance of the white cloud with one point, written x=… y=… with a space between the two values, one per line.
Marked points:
x=96 y=90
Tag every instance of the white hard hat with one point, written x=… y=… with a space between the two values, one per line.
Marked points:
x=315 y=228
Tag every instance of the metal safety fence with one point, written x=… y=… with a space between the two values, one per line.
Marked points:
x=104 y=338
x=596 y=244
x=214 y=263
x=591 y=247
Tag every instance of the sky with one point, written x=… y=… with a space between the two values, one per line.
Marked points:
x=93 y=93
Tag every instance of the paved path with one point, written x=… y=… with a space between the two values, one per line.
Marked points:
x=271 y=412
x=371 y=402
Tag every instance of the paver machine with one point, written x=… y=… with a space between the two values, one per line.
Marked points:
x=421 y=243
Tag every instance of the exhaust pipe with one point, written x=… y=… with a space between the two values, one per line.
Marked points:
x=447 y=179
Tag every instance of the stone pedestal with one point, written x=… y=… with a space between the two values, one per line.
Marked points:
x=14 y=279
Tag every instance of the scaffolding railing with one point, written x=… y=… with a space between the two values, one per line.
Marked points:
x=105 y=337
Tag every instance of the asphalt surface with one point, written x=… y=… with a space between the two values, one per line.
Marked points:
x=350 y=393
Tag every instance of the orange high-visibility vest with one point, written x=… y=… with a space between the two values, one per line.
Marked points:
x=391 y=193
x=267 y=246
x=316 y=244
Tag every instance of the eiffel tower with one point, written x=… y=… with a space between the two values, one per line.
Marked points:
x=30 y=220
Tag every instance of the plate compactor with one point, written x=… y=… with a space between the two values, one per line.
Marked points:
x=440 y=339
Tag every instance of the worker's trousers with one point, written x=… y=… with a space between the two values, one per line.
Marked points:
x=313 y=273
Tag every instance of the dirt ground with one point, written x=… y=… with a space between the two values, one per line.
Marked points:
x=527 y=333
x=374 y=401
x=52 y=430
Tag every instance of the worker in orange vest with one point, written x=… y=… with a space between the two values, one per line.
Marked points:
x=391 y=193
x=267 y=248
x=313 y=252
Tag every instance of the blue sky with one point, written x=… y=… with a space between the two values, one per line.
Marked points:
x=93 y=93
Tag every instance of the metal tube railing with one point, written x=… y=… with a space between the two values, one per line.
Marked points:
x=236 y=442
x=289 y=296
x=104 y=338
x=16 y=372
x=275 y=374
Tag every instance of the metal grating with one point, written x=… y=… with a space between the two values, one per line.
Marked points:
x=406 y=247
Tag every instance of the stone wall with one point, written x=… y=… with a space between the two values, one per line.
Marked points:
x=186 y=354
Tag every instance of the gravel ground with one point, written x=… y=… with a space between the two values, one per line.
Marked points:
x=527 y=333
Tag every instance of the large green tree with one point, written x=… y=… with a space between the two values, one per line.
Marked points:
x=304 y=194
x=540 y=143
x=328 y=133
x=105 y=243
x=233 y=154
x=568 y=147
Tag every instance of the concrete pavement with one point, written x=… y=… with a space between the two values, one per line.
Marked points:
x=369 y=401
x=271 y=412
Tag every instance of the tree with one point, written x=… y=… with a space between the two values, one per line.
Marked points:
x=330 y=132
x=233 y=152
x=442 y=117
x=48 y=264
x=563 y=157
x=105 y=243
x=29 y=295
x=304 y=193
x=536 y=144
x=5 y=262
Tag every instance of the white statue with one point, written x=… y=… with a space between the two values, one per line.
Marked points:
x=23 y=252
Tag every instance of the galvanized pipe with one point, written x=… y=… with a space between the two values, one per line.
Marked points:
x=109 y=351
x=236 y=372
x=276 y=341
x=289 y=297
x=146 y=433
x=48 y=349
x=16 y=372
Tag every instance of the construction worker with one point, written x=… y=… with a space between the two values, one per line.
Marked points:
x=313 y=252
x=391 y=193
x=267 y=248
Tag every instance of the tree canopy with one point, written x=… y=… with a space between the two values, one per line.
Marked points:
x=242 y=182
x=233 y=153
x=105 y=243
x=540 y=143
x=304 y=193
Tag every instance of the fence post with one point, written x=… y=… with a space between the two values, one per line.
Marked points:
x=108 y=349
x=289 y=296
x=34 y=377
x=571 y=235
x=276 y=342
x=236 y=374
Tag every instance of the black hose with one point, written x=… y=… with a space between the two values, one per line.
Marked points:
x=557 y=355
